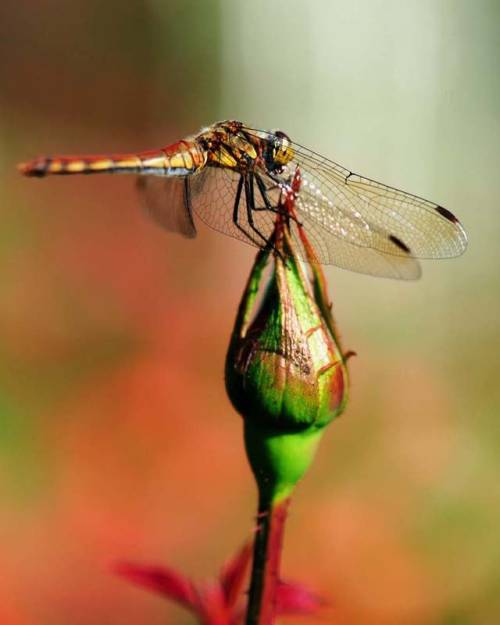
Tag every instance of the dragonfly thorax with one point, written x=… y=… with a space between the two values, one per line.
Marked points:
x=227 y=146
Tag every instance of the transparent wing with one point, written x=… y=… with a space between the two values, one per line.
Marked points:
x=167 y=202
x=213 y=194
x=369 y=214
x=364 y=260
x=388 y=259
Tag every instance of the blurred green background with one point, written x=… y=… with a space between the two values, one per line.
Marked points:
x=116 y=438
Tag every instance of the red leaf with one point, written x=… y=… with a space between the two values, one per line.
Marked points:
x=296 y=599
x=233 y=574
x=162 y=580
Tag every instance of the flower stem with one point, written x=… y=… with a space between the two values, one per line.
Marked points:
x=266 y=561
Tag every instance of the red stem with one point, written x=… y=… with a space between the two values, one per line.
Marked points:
x=266 y=562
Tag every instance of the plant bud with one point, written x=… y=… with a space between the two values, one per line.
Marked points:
x=284 y=367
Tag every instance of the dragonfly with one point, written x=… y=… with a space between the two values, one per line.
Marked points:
x=235 y=178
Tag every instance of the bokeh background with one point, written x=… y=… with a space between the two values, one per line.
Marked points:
x=116 y=437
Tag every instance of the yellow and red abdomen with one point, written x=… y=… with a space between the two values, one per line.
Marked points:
x=179 y=159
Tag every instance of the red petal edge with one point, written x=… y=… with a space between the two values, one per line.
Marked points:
x=233 y=574
x=162 y=580
x=294 y=598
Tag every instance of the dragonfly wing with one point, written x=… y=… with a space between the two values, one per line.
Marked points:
x=167 y=201
x=340 y=239
x=430 y=230
x=367 y=260
x=343 y=202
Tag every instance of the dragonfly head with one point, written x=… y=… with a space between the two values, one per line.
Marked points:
x=279 y=151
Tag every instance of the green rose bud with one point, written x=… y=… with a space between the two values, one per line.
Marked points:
x=285 y=371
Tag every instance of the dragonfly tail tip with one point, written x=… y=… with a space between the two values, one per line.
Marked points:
x=32 y=169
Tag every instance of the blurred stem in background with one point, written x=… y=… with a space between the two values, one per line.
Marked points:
x=286 y=375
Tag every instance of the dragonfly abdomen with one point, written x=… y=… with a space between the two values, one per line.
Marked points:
x=180 y=159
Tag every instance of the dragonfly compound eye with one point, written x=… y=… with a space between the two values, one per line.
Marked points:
x=279 y=151
x=283 y=150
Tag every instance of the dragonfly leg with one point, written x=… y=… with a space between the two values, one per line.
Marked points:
x=236 y=210
x=265 y=197
x=273 y=209
x=249 y=194
x=251 y=207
